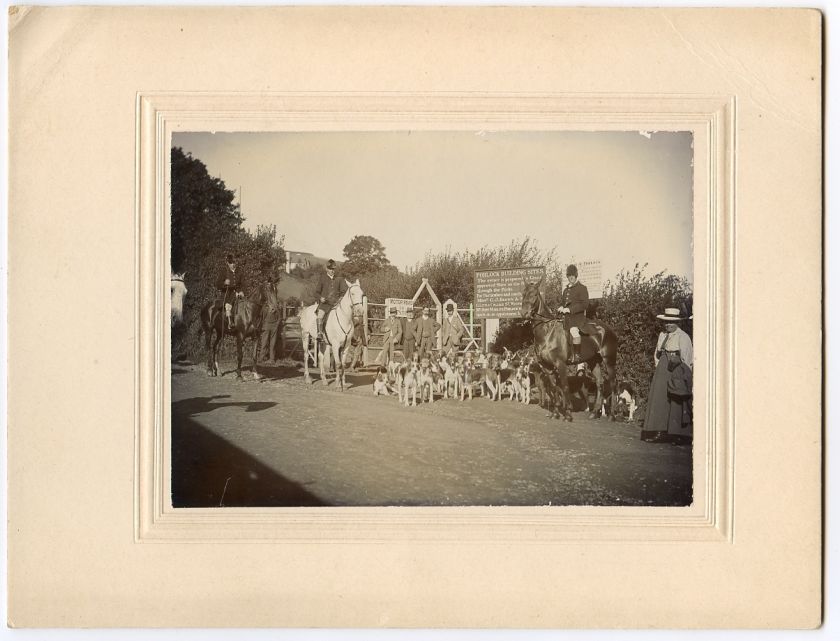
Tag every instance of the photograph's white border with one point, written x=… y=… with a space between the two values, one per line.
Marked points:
x=710 y=118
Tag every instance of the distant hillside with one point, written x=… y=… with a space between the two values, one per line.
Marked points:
x=293 y=287
x=304 y=260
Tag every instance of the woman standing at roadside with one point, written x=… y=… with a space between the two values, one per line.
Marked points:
x=669 y=413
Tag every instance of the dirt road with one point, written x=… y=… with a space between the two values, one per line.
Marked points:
x=281 y=442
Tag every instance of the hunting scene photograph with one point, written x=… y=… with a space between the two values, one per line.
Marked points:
x=432 y=318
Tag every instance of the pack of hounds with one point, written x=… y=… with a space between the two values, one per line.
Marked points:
x=511 y=375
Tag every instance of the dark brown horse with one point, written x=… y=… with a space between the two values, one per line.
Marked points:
x=552 y=348
x=247 y=319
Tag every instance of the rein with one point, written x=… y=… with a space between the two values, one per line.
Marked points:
x=341 y=305
x=541 y=317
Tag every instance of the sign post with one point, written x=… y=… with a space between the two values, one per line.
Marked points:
x=589 y=273
x=402 y=305
x=498 y=294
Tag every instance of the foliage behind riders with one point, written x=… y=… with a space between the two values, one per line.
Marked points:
x=206 y=225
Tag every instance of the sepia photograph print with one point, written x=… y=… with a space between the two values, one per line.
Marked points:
x=432 y=318
x=415 y=317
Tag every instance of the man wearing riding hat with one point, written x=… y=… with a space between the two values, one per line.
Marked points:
x=229 y=283
x=328 y=291
x=573 y=303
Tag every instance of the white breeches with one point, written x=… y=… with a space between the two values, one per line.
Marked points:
x=575 y=332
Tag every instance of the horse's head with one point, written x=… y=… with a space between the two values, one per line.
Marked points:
x=356 y=297
x=177 y=293
x=530 y=299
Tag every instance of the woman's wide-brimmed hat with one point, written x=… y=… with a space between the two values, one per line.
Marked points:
x=671 y=314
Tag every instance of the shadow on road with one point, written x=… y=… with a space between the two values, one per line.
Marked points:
x=203 y=404
x=207 y=471
x=278 y=372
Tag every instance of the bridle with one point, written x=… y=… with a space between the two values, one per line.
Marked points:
x=353 y=306
x=538 y=317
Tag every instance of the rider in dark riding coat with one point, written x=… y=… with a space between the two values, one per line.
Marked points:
x=328 y=292
x=574 y=301
x=229 y=284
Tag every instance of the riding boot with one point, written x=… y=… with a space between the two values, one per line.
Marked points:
x=575 y=353
x=321 y=328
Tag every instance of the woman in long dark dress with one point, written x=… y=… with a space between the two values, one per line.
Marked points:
x=669 y=412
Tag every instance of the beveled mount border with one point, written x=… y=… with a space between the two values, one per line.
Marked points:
x=711 y=118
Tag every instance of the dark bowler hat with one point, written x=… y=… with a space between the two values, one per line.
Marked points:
x=571 y=270
x=230 y=258
x=330 y=264
x=410 y=311
x=393 y=310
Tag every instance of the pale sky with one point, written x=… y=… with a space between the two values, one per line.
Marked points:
x=621 y=197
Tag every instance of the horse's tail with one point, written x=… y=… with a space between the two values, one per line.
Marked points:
x=610 y=346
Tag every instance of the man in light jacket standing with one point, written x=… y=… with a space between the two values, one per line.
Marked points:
x=452 y=330
x=392 y=329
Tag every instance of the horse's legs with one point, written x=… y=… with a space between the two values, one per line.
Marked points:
x=338 y=357
x=208 y=336
x=324 y=362
x=214 y=364
x=563 y=396
x=304 y=337
x=257 y=345
x=567 y=405
x=609 y=380
x=239 y=350
x=595 y=410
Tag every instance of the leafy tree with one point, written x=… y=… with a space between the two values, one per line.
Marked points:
x=206 y=225
x=365 y=255
x=389 y=282
x=630 y=306
x=451 y=274
x=204 y=213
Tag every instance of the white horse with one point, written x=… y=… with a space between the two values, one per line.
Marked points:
x=338 y=330
x=177 y=294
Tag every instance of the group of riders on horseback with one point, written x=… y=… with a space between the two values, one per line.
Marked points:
x=260 y=314
x=559 y=338
x=230 y=281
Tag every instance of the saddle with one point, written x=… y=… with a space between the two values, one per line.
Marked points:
x=219 y=305
x=591 y=339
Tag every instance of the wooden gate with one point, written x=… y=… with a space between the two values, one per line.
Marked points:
x=375 y=314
